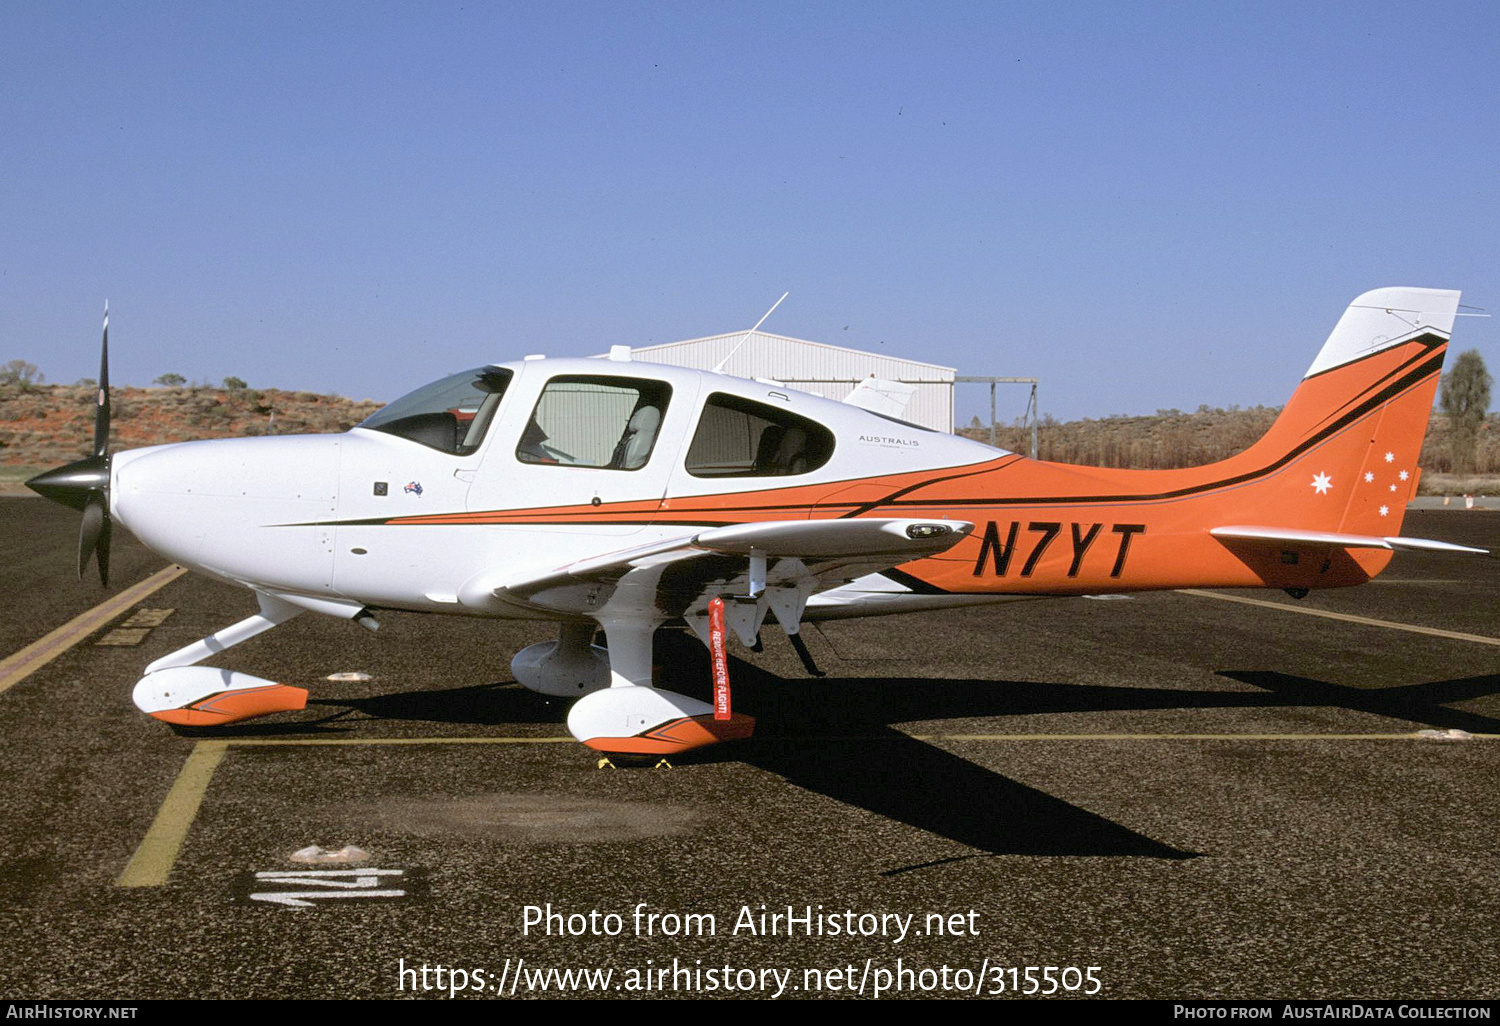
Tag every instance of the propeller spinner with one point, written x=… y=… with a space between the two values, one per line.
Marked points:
x=84 y=484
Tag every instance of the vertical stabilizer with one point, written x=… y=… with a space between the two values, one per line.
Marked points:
x=1355 y=425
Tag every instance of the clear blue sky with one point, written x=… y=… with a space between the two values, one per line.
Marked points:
x=1145 y=204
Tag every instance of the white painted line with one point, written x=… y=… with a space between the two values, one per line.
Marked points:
x=340 y=883
x=305 y=899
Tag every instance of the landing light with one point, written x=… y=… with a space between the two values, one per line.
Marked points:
x=916 y=531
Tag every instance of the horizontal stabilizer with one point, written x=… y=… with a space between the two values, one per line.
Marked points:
x=1284 y=535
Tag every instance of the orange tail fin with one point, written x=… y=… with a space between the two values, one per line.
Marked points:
x=1358 y=419
x=1317 y=502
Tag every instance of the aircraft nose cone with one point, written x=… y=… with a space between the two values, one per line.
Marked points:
x=71 y=485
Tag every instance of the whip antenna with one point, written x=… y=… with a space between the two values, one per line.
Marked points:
x=719 y=367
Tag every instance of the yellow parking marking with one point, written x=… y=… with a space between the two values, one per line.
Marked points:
x=1408 y=736
x=157 y=854
x=153 y=860
x=20 y=665
x=288 y=742
x=1345 y=617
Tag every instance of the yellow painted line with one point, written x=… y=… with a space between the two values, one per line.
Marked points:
x=799 y=739
x=153 y=860
x=157 y=854
x=301 y=741
x=1345 y=617
x=20 y=665
x=1411 y=736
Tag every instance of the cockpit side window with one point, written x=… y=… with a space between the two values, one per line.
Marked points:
x=598 y=421
x=451 y=415
x=741 y=438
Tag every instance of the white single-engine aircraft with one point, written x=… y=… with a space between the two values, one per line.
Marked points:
x=605 y=493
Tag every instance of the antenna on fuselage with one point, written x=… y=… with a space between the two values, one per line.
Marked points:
x=719 y=367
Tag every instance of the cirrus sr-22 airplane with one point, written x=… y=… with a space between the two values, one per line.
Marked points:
x=623 y=496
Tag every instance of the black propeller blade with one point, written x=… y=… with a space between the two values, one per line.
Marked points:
x=101 y=410
x=93 y=536
x=84 y=484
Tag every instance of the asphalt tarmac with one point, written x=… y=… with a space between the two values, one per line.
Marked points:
x=1167 y=796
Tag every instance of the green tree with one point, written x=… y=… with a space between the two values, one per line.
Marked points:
x=1465 y=399
x=21 y=374
x=234 y=384
x=170 y=380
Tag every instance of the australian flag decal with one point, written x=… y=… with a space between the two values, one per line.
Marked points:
x=413 y=488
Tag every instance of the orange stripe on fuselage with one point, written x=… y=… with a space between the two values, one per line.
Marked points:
x=821 y=500
x=1052 y=528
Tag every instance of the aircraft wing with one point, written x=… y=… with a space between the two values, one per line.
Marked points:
x=767 y=566
x=1283 y=535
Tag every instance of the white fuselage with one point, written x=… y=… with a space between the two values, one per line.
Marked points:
x=329 y=517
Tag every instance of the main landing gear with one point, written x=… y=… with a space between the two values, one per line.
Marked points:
x=620 y=712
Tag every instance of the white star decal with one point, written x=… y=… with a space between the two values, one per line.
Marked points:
x=1369 y=477
x=1384 y=510
x=1402 y=475
x=1390 y=457
x=1320 y=484
x=1393 y=488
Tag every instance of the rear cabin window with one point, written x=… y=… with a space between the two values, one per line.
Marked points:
x=743 y=438
x=586 y=421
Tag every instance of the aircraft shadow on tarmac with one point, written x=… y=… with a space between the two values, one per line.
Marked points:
x=1419 y=703
x=836 y=737
x=867 y=763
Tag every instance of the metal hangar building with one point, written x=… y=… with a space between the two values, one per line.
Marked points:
x=830 y=371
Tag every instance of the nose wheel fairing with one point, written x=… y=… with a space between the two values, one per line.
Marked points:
x=175 y=690
x=203 y=696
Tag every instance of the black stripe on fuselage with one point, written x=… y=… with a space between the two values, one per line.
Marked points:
x=1383 y=391
x=1375 y=401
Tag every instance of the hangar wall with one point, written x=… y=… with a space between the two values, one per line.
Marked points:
x=830 y=371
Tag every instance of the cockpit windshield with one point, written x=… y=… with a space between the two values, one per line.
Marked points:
x=451 y=415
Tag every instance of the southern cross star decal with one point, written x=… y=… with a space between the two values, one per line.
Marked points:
x=1321 y=483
